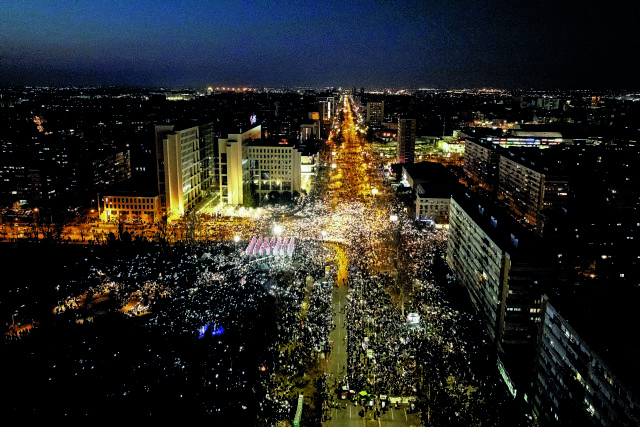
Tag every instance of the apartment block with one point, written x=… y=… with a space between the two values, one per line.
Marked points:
x=572 y=383
x=531 y=183
x=375 y=113
x=234 y=173
x=111 y=169
x=406 y=140
x=502 y=266
x=481 y=164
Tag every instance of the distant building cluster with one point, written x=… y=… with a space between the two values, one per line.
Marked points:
x=115 y=151
x=540 y=192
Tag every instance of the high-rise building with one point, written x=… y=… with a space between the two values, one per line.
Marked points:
x=481 y=162
x=21 y=182
x=326 y=106
x=234 y=173
x=184 y=153
x=406 y=140
x=590 y=379
x=308 y=130
x=111 y=169
x=531 y=182
x=247 y=159
x=502 y=266
x=375 y=113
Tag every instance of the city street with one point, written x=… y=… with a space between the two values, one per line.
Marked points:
x=345 y=413
x=355 y=304
x=352 y=179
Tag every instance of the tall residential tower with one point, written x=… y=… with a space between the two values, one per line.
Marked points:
x=406 y=140
x=375 y=113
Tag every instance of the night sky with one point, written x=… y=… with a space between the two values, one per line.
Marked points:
x=544 y=44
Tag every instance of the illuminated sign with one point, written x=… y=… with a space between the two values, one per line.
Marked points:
x=252 y=119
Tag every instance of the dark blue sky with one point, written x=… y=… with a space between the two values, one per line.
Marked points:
x=371 y=43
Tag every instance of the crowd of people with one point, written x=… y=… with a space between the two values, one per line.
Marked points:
x=239 y=334
x=267 y=316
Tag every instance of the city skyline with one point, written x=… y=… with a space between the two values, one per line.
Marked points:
x=571 y=45
x=466 y=256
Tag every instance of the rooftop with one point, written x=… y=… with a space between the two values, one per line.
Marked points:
x=551 y=161
x=501 y=228
x=268 y=142
x=434 y=178
x=535 y=134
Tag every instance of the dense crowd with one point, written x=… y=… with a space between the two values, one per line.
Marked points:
x=239 y=336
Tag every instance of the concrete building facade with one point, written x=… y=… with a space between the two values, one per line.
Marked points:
x=502 y=266
x=481 y=266
x=531 y=183
x=234 y=174
x=428 y=208
x=129 y=207
x=406 y=140
x=529 y=187
x=572 y=384
x=481 y=164
x=274 y=167
x=375 y=113
x=184 y=153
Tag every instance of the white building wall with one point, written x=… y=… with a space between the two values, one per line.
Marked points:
x=232 y=192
